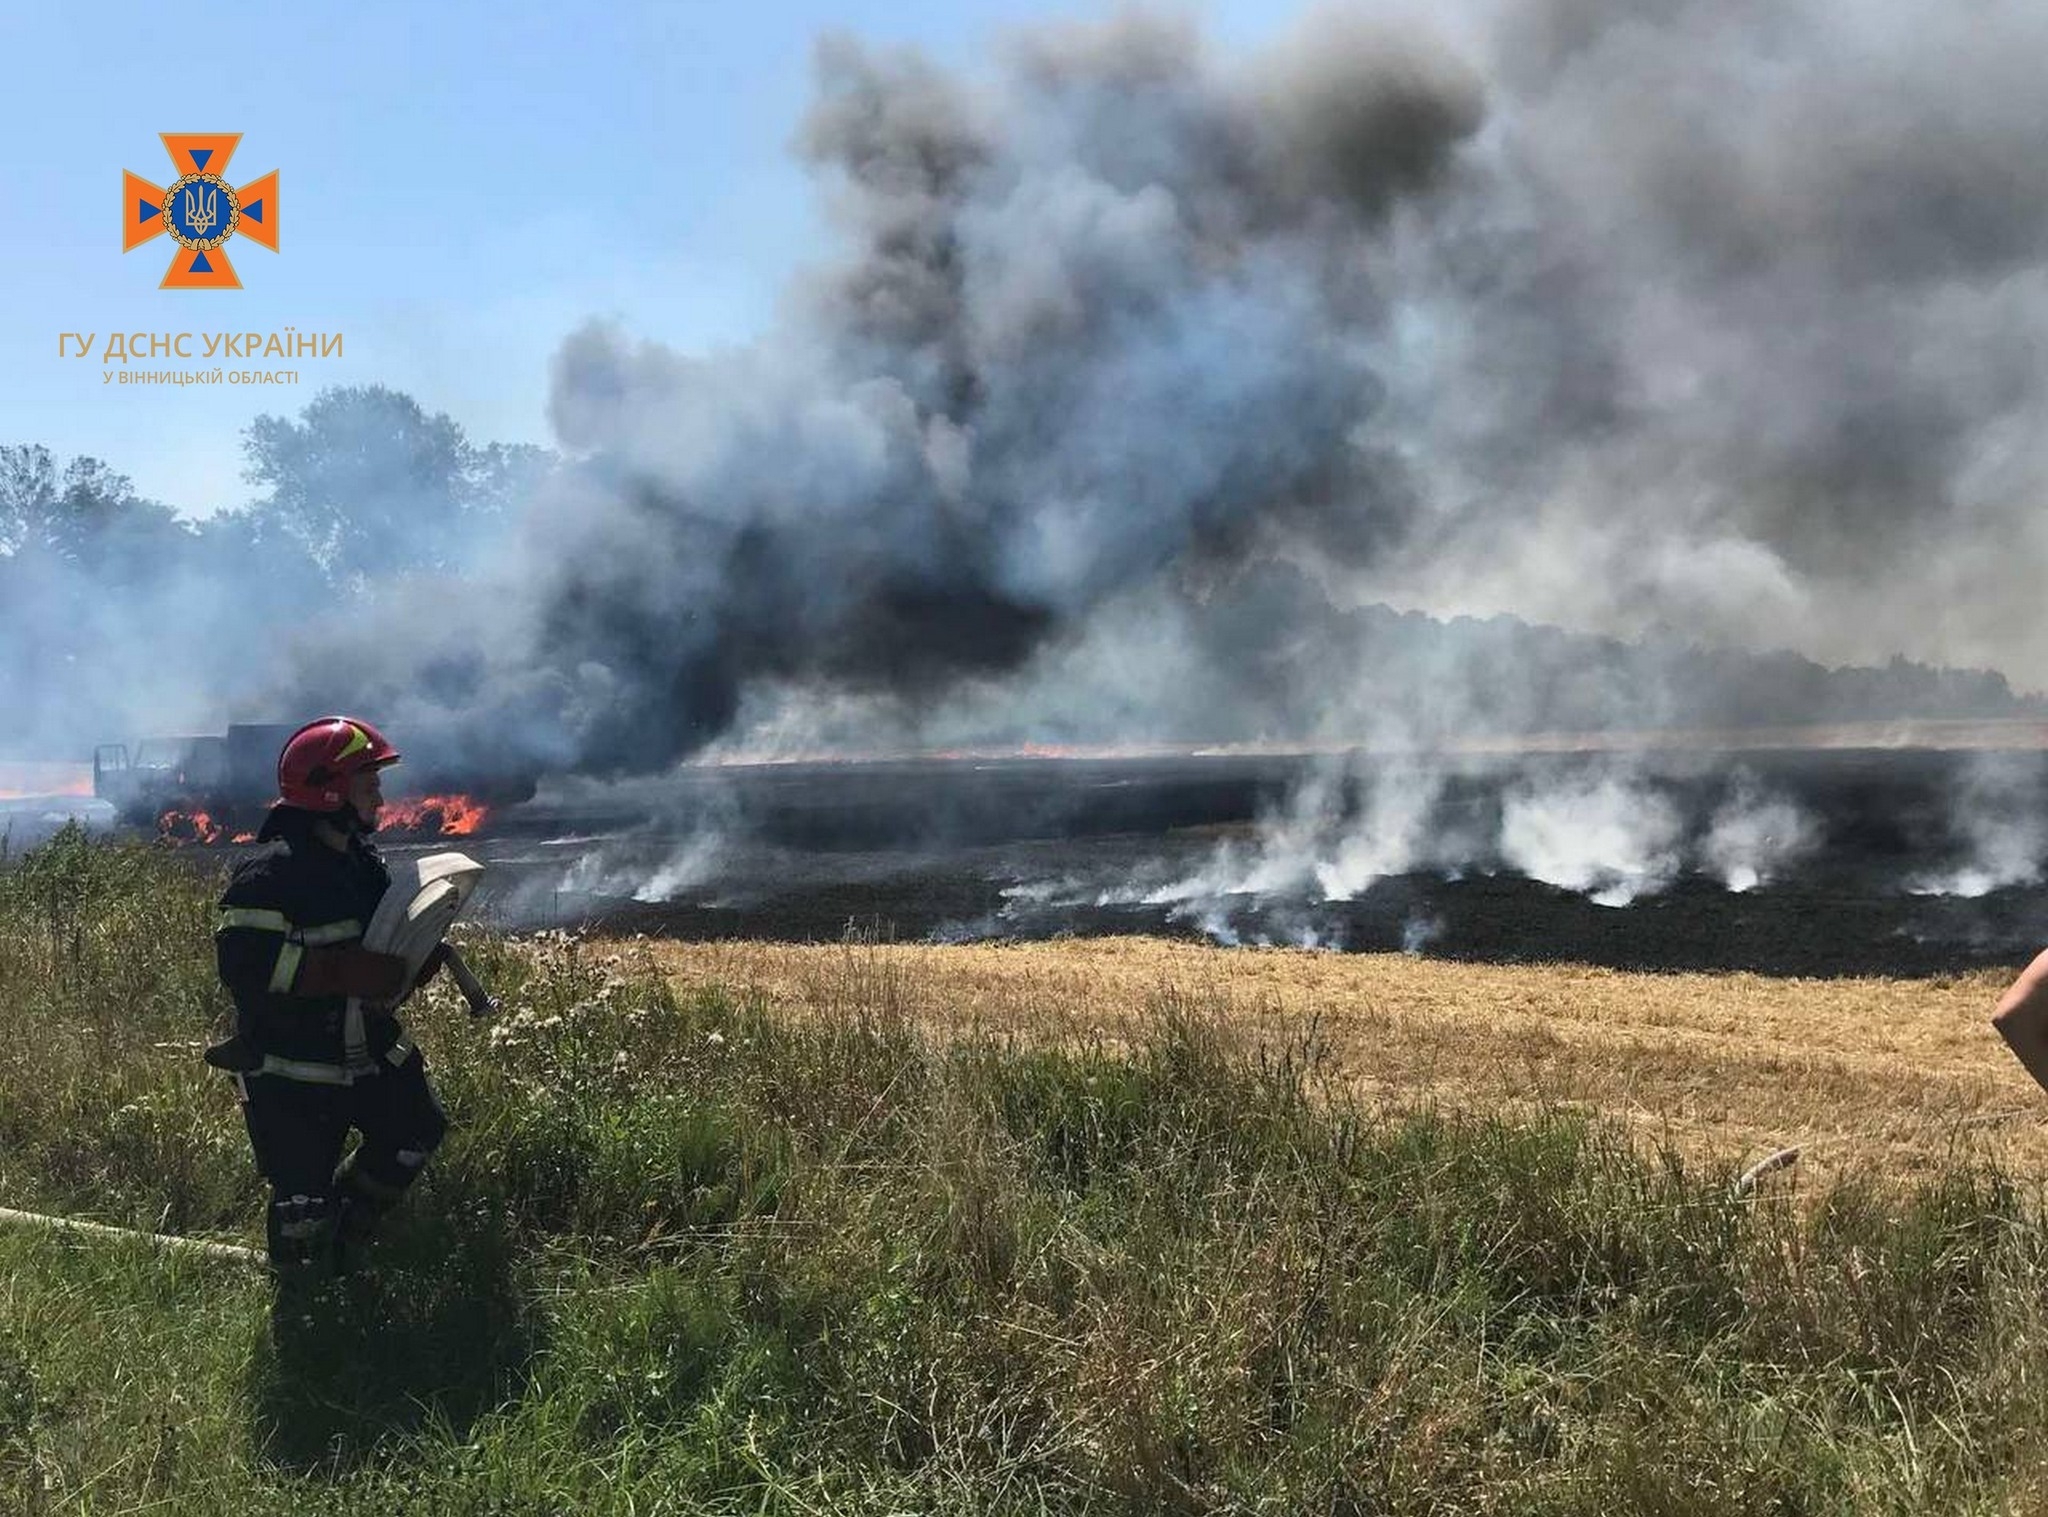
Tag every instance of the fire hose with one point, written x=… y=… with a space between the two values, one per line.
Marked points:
x=412 y=921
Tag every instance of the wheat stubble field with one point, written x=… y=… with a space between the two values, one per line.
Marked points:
x=1896 y=1074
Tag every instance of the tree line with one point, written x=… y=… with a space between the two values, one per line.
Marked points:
x=118 y=616
x=362 y=483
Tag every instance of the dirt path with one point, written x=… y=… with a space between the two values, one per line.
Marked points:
x=1895 y=1073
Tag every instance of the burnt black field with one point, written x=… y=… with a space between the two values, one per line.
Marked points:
x=963 y=850
x=1025 y=849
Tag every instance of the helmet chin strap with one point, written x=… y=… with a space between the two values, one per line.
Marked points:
x=346 y=822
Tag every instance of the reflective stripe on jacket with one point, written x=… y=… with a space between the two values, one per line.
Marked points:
x=291 y=895
x=297 y=940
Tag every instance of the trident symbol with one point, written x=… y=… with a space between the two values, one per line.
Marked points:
x=199 y=212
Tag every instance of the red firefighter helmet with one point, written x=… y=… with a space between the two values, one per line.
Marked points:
x=321 y=758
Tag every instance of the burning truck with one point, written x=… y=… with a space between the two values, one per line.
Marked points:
x=215 y=789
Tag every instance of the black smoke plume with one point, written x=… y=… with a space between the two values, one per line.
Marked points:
x=1716 y=323
x=1143 y=376
x=1105 y=323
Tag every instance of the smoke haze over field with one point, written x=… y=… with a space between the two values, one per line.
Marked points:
x=1144 y=369
x=1145 y=376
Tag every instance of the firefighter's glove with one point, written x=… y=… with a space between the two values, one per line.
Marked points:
x=234 y=1056
x=351 y=972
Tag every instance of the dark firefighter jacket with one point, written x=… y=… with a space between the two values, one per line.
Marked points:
x=292 y=894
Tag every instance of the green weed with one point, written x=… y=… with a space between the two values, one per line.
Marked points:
x=684 y=1255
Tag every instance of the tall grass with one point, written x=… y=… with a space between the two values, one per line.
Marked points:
x=683 y=1255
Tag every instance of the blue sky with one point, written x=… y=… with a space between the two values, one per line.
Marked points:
x=461 y=185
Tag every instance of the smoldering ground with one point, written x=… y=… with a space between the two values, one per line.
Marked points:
x=1789 y=862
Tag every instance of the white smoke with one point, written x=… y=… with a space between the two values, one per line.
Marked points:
x=1607 y=835
x=1388 y=837
x=1997 y=815
x=1607 y=831
x=1418 y=932
x=1753 y=837
x=660 y=859
x=1320 y=846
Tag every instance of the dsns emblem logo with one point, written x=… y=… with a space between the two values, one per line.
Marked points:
x=200 y=210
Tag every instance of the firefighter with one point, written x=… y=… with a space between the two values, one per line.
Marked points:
x=318 y=1049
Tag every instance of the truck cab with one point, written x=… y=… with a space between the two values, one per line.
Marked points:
x=162 y=774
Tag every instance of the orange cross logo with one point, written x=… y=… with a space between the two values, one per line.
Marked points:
x=200 y=210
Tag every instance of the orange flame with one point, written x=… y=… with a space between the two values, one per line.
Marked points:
x=189 y=827
x=448 y=816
